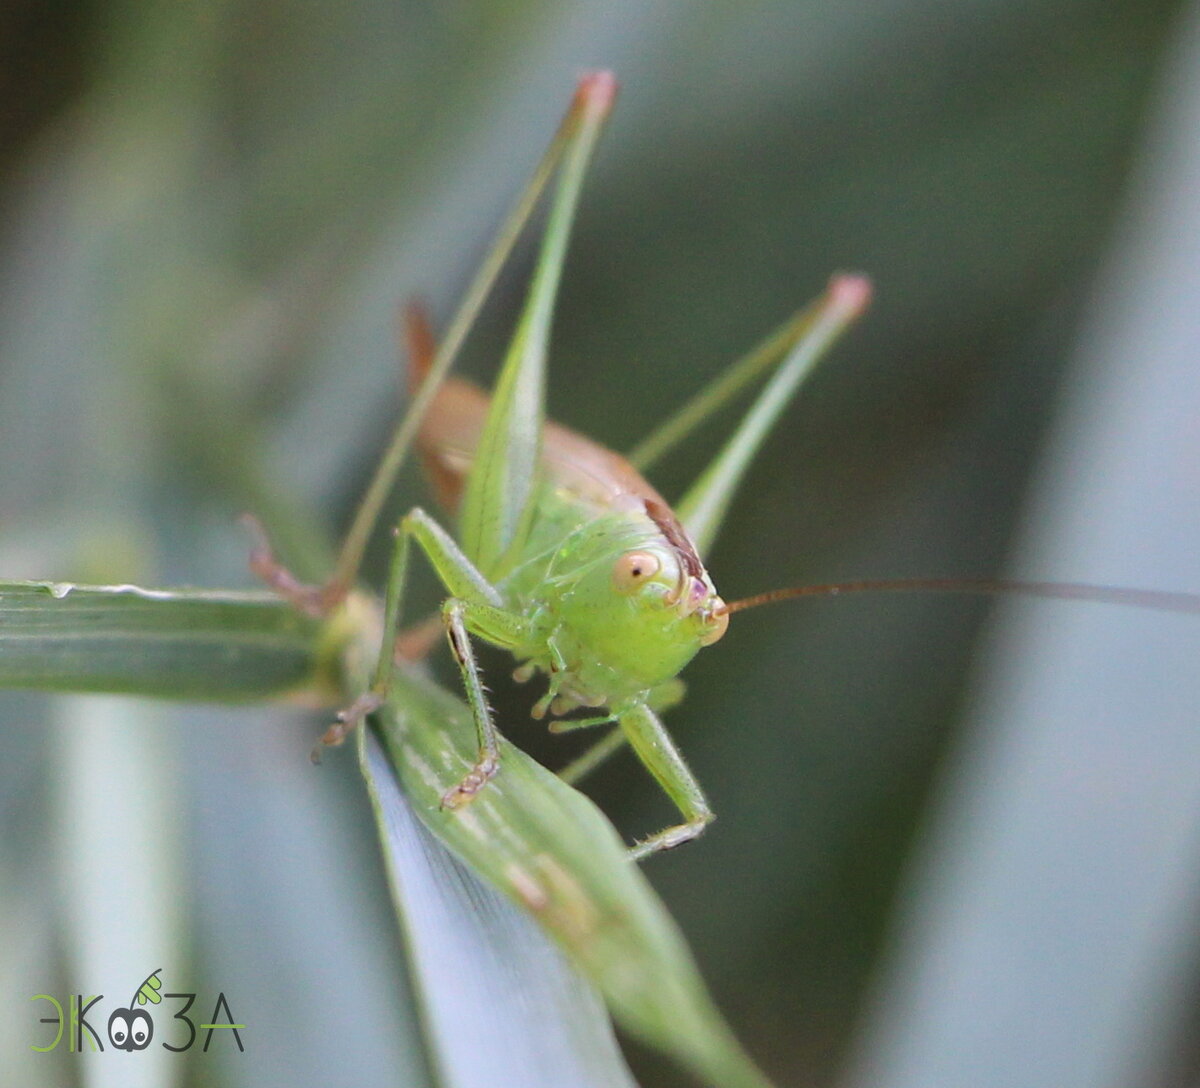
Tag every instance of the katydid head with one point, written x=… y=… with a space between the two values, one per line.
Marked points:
x=628 y=609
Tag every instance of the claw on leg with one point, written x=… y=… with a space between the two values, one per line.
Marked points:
x=478 y=777
x=347 y=721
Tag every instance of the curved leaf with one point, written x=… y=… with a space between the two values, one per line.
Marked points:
x=551 y=851
x=502 y=1008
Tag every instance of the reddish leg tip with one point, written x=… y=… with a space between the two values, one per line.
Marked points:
x=346 y=722
x=596 y=93
x=850 y=292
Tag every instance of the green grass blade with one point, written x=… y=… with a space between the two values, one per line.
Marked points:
x=703 y=508
x=181 y=644
x=501 y=1006
x=503 y=477
x=550 y=851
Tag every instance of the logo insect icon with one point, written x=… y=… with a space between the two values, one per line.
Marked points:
x=132 y=1028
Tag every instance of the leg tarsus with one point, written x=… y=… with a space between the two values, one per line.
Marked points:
x=657 y=751
x=347 y=721
x=316 y=601
x=488 y=764
x=485 y=769
x=671 y=837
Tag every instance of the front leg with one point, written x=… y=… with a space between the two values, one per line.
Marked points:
x=502 y=628
x=654 y=747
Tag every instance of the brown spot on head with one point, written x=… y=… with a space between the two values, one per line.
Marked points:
x=664 y=517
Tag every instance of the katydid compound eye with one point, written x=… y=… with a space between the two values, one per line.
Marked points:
x=634 y=569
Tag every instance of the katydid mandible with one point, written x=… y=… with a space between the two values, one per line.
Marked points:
x=566 y=556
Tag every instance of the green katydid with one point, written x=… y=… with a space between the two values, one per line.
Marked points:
x=566 y=556
x=602 y=589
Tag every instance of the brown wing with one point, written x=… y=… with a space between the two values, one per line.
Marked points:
x=450 y=433
x=452 y=427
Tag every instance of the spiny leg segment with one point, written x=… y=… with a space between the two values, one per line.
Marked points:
x=488 y=762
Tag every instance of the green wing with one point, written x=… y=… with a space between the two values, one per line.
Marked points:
x=501 y=490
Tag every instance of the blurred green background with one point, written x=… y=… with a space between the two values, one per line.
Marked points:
x=210 y=213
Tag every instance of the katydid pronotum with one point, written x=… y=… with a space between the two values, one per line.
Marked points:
x=566 y=557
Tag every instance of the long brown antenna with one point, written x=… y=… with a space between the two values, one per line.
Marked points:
x=1157 y=599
